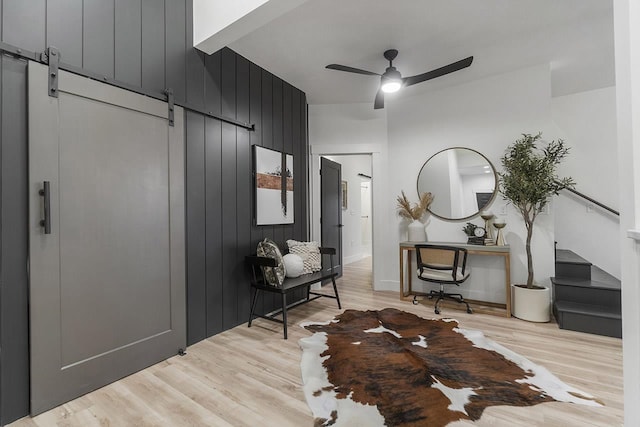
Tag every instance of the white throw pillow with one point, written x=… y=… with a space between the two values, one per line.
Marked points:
x=293 y=264
x=309 y=252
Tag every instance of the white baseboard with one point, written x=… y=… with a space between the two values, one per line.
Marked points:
x=387 y=285
x=352 y=258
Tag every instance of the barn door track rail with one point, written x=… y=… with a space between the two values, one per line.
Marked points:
x=51 y=57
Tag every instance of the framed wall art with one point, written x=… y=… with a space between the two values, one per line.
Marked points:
x=273 y=172
x=345 y=199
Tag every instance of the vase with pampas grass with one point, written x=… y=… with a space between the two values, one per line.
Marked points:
x=414 y=213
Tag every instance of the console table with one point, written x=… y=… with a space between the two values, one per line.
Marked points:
x=502 y=251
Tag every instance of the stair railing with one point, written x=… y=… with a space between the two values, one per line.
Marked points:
x=594 y=201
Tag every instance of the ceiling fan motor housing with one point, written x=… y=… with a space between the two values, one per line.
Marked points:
x=391 y=74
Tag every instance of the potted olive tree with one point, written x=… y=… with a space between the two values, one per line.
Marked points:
x=528 y=180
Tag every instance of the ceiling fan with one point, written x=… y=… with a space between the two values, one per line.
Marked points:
x=391 y=80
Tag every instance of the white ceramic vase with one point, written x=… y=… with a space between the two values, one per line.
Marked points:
x=417 y=232
x=533 y=305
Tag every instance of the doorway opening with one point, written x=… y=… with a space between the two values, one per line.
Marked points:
x=356 y=207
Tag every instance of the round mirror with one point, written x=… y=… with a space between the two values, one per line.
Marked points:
x=462 y=181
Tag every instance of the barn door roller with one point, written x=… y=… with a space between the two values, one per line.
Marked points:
x=170 y=102
x=52 y=57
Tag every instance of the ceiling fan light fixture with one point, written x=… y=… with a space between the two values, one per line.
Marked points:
x=391 y=80
x=391 y=86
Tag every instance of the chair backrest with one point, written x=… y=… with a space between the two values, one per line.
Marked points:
x=447 y=258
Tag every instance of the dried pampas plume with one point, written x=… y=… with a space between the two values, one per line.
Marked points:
x=405 y=210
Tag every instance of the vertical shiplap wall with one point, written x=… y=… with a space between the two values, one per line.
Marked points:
x=220 y=207
x=146 y=43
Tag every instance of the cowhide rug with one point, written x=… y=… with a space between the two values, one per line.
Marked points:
x=389 y=367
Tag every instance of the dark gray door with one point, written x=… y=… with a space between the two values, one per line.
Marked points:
x=331 y=207
x=107 y=273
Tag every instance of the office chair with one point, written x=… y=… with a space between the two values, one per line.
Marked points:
x=445 y=265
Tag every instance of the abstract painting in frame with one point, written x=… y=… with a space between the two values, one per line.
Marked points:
x=344 y=195
x=273 y=173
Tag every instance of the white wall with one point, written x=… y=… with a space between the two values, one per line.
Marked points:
x=351 y=129
x=485 y=115
x=353 y=246
x=587 y=123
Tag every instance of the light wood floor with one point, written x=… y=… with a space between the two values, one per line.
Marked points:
x=251 y=376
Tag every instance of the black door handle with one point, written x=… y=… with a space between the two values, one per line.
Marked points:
x=340 y=225
x=46 y=221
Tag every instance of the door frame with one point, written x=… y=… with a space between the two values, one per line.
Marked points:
x=378 y=173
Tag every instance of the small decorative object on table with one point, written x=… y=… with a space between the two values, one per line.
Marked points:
x=487 y=215
x=499 y=224
x=475 y=235
x=414 y=213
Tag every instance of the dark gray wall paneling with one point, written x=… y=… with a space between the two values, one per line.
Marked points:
x=64 y=29
x=14 y=289
x=146 y=43
x=23 y=23
x=176 y=47
x=213 y=195
x=213 y=225
x=300 y=177
x=98 y=36
x=128 y=41
x=153 y=54
x=255 y=138
x=230 y=262
x=243 y=184
x=196 y=229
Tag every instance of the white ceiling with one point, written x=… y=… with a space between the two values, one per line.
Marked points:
x=574 y=36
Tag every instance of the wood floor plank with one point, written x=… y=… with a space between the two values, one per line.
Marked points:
x=251 y=376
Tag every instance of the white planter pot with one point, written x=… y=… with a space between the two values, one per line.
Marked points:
x=417 y=232
x=533 y=305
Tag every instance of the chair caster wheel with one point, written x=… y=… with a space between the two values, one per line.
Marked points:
x=437 y=311
x=469 y=311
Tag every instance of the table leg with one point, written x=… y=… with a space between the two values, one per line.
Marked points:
x=401 y=274
x=409 y=272
x=507 y=268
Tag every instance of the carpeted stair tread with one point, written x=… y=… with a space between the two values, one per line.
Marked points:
x=566 y=256
x=588 y=309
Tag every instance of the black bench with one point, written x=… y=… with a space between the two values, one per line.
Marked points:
x=290 y=284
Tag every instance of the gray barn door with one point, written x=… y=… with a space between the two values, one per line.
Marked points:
x=331 y=208
x=107 y=278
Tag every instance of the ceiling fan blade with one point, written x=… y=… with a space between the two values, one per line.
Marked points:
x=350 y=69
x=455 y=66
x=379 y=102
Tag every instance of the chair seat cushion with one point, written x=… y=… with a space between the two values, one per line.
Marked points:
x=434 y=275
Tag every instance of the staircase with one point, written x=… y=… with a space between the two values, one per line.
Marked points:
x=586 y=298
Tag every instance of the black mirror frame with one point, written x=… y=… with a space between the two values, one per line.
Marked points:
x=491 y=200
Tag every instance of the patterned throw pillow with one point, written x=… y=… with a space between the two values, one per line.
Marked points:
x=273 y=276
x=310 y=254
